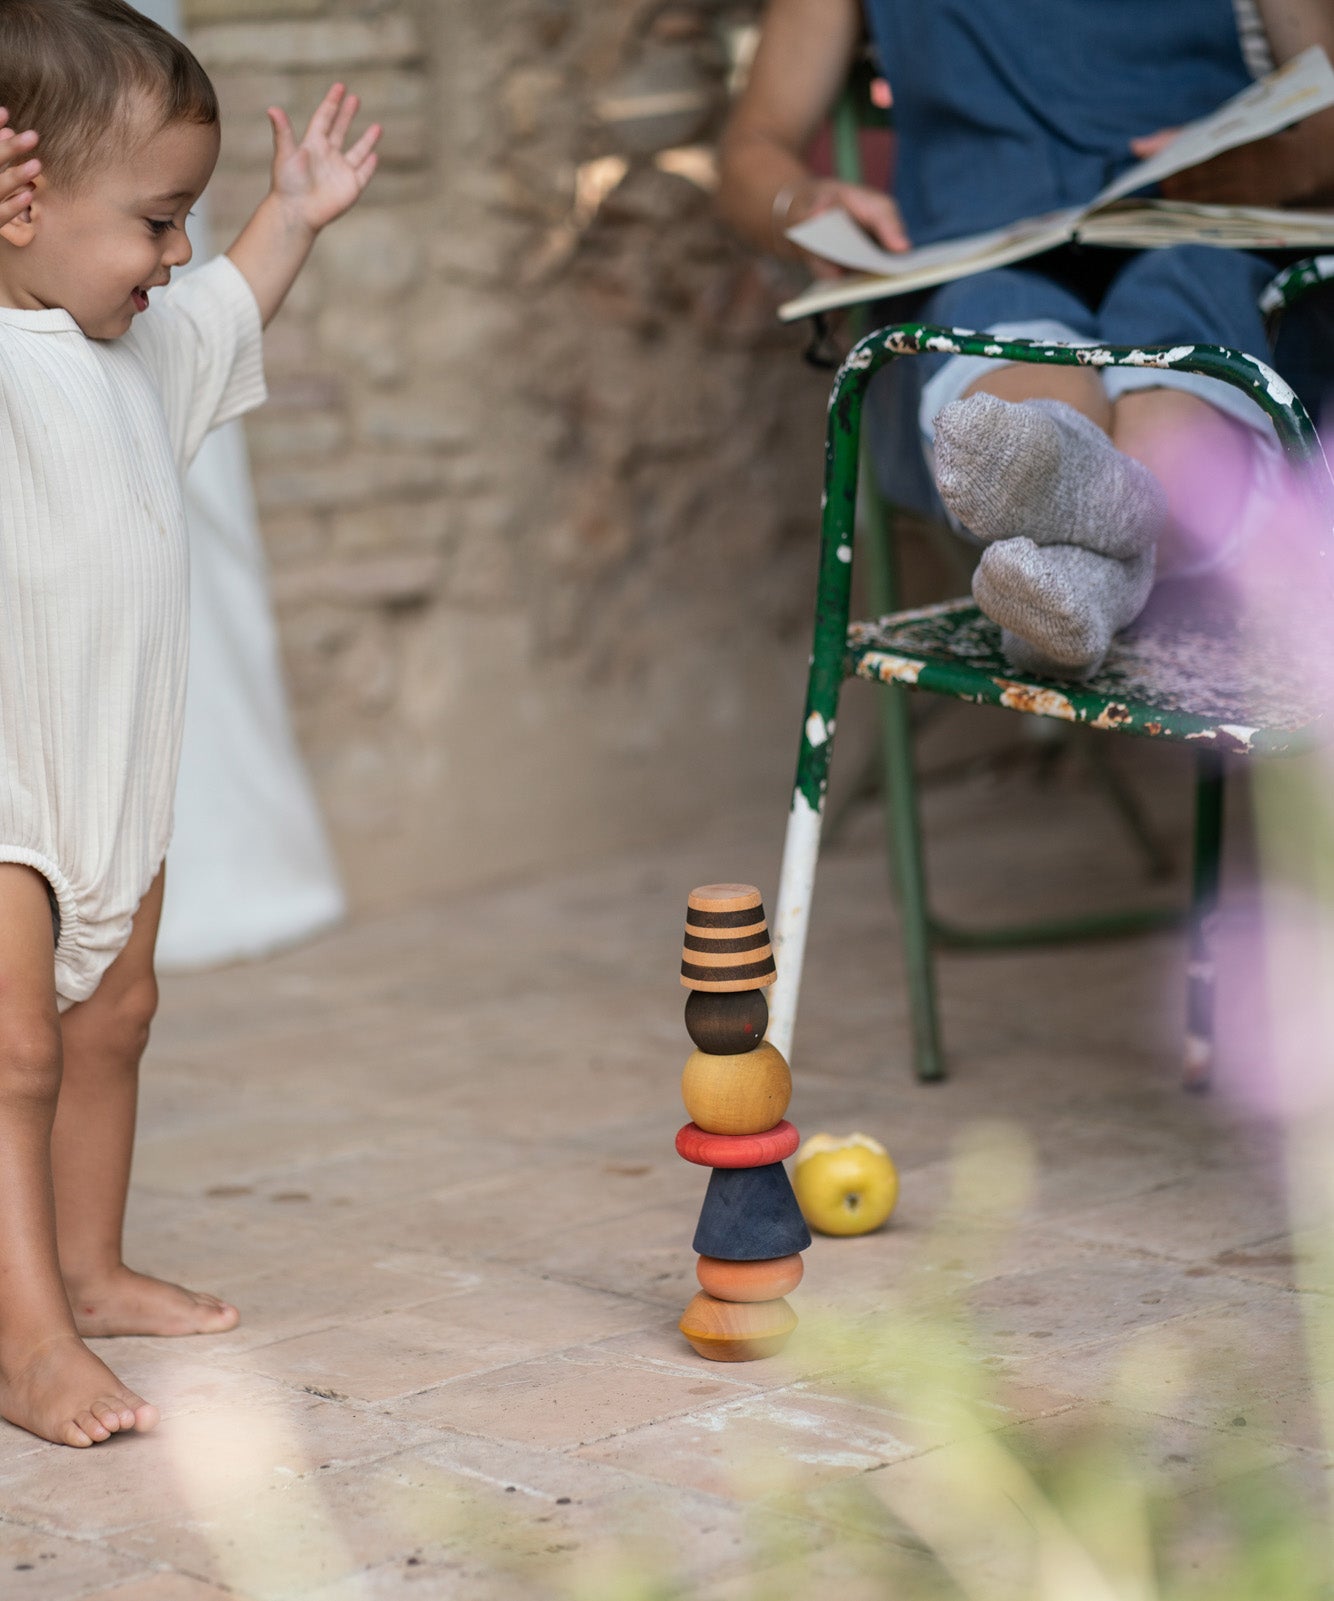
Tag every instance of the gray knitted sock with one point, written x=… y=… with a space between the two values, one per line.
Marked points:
x=1059 y=605
x=1042 y=469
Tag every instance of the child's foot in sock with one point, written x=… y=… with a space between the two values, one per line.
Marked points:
x=1043 y=470
x=126 y=1302
x=1059 y=605
x=61 y=1392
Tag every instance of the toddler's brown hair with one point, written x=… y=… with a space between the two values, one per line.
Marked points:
x=77 y=71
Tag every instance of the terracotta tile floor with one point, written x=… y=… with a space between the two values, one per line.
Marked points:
x=431 y=1158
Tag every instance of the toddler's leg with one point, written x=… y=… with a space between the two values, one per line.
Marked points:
x=50 y=1382
x=104 y=1038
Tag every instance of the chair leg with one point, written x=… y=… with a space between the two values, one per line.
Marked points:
x=1128 y=808
x=908 y=871
x=903 y=829
x=792 y=916
x=1199 y=1053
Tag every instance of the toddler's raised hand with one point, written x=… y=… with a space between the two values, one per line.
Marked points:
x=17 y=169
x=313 y=182
x=317 y=180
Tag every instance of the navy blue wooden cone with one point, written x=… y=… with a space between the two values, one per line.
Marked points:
x=750 y=1214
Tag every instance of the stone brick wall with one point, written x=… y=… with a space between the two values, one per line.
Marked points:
x=539 y=474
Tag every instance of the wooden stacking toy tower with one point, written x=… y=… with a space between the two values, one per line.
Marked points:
x=736 y=1087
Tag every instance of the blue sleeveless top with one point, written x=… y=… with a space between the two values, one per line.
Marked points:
x=1008 y=108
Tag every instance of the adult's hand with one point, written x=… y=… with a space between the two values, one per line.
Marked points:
x=872 y=210
x=1286 y=169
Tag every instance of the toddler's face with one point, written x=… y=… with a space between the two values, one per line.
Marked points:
x=97 y=251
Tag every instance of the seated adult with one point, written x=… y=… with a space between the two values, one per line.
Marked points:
x=1004 y=109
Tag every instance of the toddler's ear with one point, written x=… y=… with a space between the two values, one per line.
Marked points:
x=20 y=230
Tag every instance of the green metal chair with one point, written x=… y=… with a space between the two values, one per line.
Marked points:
x=952 y=649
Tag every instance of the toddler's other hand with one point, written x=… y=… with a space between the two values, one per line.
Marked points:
x=869 y=208
x=17 y=169
x=317 y=180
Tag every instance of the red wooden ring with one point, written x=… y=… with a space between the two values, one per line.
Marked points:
x=737 y=1150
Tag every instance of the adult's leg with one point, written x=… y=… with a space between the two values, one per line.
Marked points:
x=1037 y=478
x=1023 y=460
x=1205 y=441
x=1080 y=388
x=91 y=1149
x=1204 y=459
x=50 y=1383
x=1016 y=303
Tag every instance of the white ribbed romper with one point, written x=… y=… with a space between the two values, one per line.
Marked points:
x=94 y=589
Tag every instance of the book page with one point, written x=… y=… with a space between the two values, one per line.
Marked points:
x=935 y=264
x=1295 y=90
x=837 y=238
x=1145 y=224
x=1298 y=89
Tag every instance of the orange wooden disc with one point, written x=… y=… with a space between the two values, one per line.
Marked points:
x=737 y=1150
x=749 y=1281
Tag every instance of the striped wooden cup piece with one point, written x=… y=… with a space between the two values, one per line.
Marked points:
x=727 y=940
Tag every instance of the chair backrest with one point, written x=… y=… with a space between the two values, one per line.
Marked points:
x=1304 y=352
x=894 y=450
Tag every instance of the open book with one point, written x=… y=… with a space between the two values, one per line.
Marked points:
x=1302 y=86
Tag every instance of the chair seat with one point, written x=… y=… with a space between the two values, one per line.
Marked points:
x=1193 y=679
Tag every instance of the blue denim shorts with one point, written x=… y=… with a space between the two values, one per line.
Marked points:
x=1181 y=295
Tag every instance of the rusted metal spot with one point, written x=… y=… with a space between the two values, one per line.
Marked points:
x=1227 y=736
x=1239 y=734
x=1040 y=702
x=896 y=669
x=1199 y=1057
x=1113 y=715
x=1153 y=728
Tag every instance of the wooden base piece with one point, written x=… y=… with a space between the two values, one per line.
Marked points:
x=730 y=1331
x=749 y=1281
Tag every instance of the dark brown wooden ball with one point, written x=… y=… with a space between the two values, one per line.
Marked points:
x=727 y=1024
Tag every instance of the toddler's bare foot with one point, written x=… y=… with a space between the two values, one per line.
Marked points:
x=126 y=1302
x=63 y=1393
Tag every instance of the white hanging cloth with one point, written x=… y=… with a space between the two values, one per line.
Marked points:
x=249 y=869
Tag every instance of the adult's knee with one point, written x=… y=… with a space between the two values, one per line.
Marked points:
x=1187 y=294
x=30 y=1059
x=1008 y=295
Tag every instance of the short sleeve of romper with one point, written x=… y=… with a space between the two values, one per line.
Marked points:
x=94 y=589
x=203 y=347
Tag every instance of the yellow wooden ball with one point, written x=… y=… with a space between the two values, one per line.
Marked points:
x=745 y=1094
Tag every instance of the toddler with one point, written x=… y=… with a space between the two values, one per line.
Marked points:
x=109 y=380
